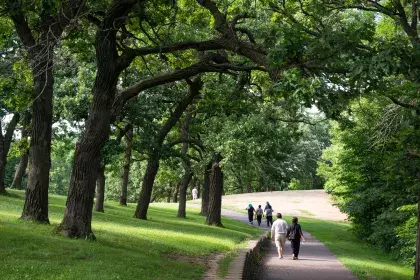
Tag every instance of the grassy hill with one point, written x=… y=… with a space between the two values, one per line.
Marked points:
x=163 y=247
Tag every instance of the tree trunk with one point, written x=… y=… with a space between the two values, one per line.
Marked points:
x=20 y=172
x=187 y=167
x=176 y=193
x=2 y=171
x=248 y=188
x=23 y=163
x=153 y=163
x=183 y=191
x=78 y=214
x=5 y=142
x=205 y=191
x=198 y=185
x=168 y=200
x=215 y=196
x=100 y=190
x=126 y=172
x=147 y=187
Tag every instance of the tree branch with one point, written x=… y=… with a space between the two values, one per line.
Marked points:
x=11 y=127
x=177 y=75
x=402 y=104
x=129 y=53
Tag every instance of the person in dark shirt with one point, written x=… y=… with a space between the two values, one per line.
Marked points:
x=269 y=215
x=294 y=234
x=251 y=211
x=260 y=213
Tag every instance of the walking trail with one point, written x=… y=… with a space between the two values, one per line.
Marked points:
x=315 y=262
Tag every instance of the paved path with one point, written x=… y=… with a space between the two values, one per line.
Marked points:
x=315 y=262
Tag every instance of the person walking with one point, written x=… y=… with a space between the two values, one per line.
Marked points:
x=194 y=193
x=294 y=234
x=267 y=205
x=251 y=211
x=278 y=234
x=260 y=213
x=269 y=215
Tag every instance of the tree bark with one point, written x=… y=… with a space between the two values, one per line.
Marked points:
x=187 y=168
x=206 y=189
x=78 y=214
x=36 y=201
x=147 y=187
x=153 y=163
x=176 y=193
x=198 y=185
x=215 y=196
x=100 y=190
x=168 y=199
x=5 y=142
x=126 y=171
x=23 y=163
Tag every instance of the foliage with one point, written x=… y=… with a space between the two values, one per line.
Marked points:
x=371 y=176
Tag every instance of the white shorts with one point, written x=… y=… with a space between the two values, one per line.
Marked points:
x=281 y=240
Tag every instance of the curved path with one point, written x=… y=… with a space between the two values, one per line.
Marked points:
x=315 y=262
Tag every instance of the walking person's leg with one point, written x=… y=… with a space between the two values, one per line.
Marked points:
x=282 y=244
x=259 y=219
x=270 y=220
x=278 y=246
x=297 y=247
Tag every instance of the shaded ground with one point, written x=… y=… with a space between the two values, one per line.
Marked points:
x=315 y=262
x=311 y=203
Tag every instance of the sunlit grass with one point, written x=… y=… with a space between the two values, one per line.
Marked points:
x=126 y=248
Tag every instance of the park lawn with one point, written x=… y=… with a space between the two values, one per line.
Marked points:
x=363 y=260
x=163 y=247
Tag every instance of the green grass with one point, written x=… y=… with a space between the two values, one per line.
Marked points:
x=126 y=248
x=224 y=263
x=363 y=260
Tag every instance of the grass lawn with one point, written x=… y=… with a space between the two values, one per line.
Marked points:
x=163 y=247
x=363 y=260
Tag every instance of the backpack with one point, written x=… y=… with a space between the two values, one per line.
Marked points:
x=293 y=232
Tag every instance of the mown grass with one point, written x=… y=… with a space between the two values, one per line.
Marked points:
x=126 y=248
x=363 y=260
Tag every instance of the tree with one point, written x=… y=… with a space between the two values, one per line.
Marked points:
x=206 y=190
x=5 y=141
x=153 y=161
x=183 y=185
x=215 y=194
x=40 y=49
x=126 y=167
x=24 y=157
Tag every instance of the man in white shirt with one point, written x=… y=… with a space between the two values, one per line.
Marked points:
x=278 y=234
x=194 y=193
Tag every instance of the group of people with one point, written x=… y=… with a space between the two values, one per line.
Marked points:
x=280 y=230
x=259 y=214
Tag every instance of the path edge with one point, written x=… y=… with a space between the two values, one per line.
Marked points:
x=243 y=265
